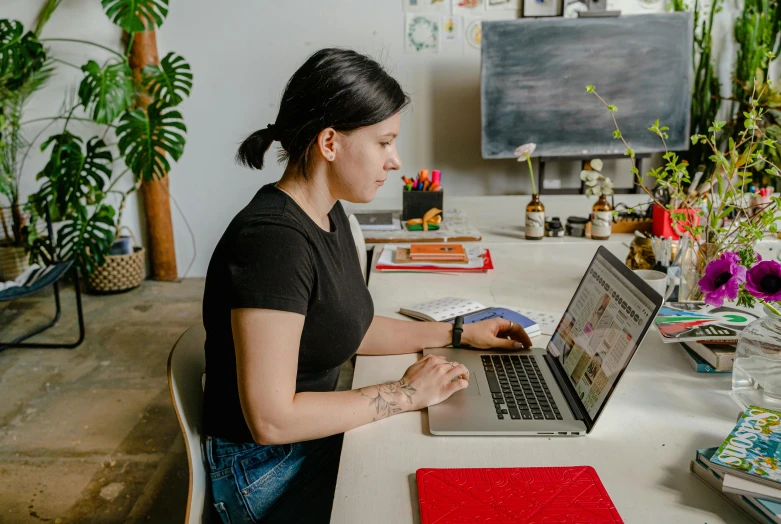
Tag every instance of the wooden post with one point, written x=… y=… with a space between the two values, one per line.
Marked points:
x=157 y=202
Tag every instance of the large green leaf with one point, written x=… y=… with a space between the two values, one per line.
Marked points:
x=73 y=178
x=21 y=54
x=130 y=15
x=86 y=238
x=106 y=92
x=171 y=81
x=147 y=138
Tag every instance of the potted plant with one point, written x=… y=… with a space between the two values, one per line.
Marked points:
x=534 y=224
x=78 y=182
x=24 y=70
x=720 y=203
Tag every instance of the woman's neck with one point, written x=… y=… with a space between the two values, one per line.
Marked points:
x=312 y=195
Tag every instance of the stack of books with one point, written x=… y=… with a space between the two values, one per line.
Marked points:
x=435 y=257
x=746 y=468
x=707 y=335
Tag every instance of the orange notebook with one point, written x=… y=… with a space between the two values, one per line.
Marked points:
x=437 y=252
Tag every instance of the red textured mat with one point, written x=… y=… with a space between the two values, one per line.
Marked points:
x=500 y=495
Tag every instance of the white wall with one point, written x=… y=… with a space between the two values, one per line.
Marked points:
x=242 y=53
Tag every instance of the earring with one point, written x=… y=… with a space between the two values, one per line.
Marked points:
x=331 y=157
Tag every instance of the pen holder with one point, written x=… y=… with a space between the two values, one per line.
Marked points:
x=414 y=204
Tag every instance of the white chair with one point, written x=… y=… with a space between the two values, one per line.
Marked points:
x=186 y=366
x=360 y=244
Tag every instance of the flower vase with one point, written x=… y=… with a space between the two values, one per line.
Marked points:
x=534 y=227
x=694 y=260
x=756 y=372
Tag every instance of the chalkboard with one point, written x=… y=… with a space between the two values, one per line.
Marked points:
x=534 y=73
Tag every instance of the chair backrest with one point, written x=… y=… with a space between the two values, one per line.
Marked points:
x=186 y=366
x=360 y=244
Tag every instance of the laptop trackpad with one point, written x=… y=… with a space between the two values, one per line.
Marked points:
x=472 y=390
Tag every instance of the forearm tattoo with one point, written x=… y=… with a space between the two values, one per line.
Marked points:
x=388 y=399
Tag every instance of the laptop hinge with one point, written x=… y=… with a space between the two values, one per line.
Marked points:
x=567 y=390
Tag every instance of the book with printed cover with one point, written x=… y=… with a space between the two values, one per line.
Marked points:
x=752 y=451
x=699 y=322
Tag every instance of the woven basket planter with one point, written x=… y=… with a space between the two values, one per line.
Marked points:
x=13 y=262
x=119 y=273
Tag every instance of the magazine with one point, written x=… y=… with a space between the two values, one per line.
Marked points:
x=752 y=451
x=697 y=321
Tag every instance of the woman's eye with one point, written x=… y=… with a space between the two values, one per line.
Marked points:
x=386 y=143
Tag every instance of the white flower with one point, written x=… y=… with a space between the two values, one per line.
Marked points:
x=596 y=165
x=525 y=151
x=589 y=177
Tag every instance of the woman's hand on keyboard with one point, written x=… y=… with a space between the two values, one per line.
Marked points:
x=433 y=379
x=495 y=333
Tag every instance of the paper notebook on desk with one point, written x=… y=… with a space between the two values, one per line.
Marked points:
x=446 y=309
x=529 y=495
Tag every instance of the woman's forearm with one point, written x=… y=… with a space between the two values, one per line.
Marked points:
x=315 y=415
x=390 y=336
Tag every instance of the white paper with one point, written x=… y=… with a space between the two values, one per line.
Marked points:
x=473 y=34
x=503 y=5
x=421 y=33
x=452 y=30
x=468 y=7
x=427 y=6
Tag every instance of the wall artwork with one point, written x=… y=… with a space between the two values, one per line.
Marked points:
x=422 y=33
x=452 y=30
x=474 y=32
x=468 y=7
x=427 y=6
x=503 y=5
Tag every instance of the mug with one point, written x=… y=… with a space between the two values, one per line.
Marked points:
x=657 y=280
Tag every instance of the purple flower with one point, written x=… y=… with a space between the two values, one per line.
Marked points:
x=764 y=280
x=722 y=279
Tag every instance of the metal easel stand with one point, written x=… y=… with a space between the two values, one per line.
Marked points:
x=635 y=189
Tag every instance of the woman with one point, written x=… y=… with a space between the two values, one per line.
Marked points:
x=285 y=303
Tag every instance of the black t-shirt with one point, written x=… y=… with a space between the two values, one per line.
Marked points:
x=274 y=256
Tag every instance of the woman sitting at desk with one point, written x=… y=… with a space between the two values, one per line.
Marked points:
x=285 y=303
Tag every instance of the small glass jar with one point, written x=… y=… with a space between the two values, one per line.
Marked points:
x=534 y=227
x=756 y=372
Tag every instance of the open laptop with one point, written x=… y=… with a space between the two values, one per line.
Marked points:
x=560 y=390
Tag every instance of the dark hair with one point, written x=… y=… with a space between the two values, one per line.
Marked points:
x=336 y=88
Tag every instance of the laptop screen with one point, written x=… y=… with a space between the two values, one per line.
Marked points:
x=600 y=331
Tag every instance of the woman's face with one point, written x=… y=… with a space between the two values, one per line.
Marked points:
x=362 y=160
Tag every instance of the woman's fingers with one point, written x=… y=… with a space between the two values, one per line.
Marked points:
x=516 y=332
x=456 y=370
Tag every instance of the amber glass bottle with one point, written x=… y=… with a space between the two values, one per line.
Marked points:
x=535 y=219
x=601 y=219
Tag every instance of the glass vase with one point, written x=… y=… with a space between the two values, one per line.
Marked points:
x=693 y=262
x=756 y=372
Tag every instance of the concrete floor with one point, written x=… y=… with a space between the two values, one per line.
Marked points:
x=89 y=434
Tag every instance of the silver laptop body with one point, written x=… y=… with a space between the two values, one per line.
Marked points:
x=596 y=338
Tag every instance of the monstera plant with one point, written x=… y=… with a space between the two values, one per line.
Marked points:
x=77 y=185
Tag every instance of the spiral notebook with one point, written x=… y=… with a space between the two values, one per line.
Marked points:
x=446 y=309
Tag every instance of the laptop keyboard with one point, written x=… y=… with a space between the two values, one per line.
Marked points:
x=518 y=388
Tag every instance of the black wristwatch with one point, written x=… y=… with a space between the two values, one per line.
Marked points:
x=458 y=328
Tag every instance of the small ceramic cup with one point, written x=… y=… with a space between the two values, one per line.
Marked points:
x=657 y=280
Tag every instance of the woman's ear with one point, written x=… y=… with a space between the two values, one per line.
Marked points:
x=326 y=142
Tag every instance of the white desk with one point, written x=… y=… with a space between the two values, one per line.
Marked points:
x=661 y=412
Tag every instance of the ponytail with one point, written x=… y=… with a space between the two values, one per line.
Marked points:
x=254 y=147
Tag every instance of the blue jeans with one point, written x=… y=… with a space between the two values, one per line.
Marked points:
x=252 y=483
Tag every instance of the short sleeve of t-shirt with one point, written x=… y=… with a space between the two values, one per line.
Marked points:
x=270 y=267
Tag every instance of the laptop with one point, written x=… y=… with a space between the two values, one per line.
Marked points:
x=562 y=389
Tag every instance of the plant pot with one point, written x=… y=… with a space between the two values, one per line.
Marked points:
x=119 y=273
x=663 y=222
x=13 y=262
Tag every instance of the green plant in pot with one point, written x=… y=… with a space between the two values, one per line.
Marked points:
x=78 y=183
x=726 y=220
x=24 y=70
